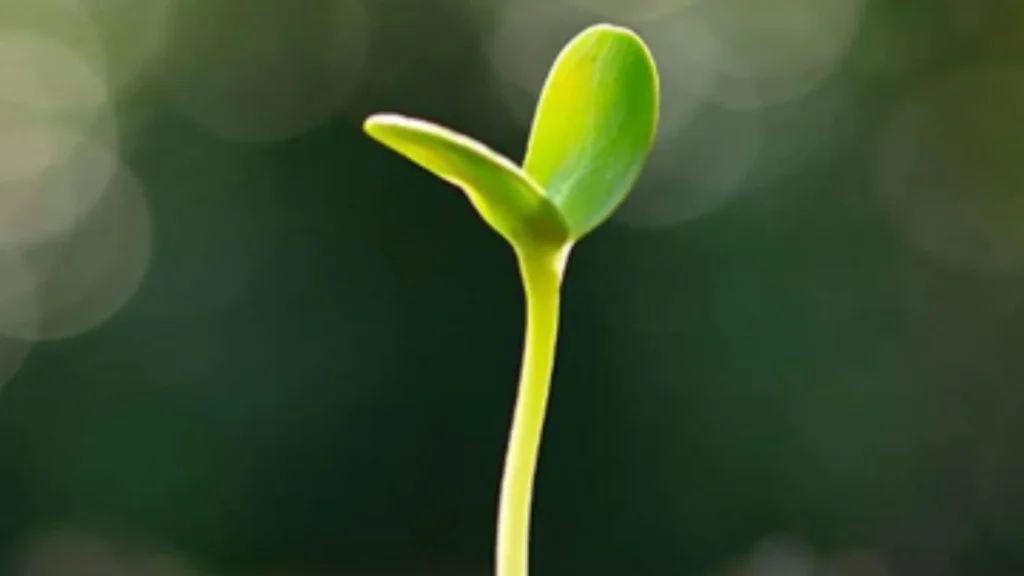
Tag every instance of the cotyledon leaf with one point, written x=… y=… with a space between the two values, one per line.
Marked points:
x=506 y=198
x=594 y=125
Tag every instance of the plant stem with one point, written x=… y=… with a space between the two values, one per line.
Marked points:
x=541 y=270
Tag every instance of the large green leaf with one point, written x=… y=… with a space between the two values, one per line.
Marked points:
x=504 y=196
x=594 y=125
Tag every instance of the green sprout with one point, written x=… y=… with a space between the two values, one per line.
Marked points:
x=593 y=128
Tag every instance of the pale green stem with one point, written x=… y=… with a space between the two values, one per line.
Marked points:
x=541 y=271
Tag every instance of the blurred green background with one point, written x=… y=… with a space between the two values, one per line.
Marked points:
x=240 y=338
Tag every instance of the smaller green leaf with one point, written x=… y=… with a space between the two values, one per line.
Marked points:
x=595 y=124
x=506 y=198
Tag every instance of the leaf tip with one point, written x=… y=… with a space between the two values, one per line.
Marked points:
x=615 y=31
x=376 y=124
x=607 y=27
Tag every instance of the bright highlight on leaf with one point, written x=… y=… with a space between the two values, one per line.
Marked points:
x=594 y=127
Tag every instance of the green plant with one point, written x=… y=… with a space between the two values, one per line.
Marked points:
x=593 y=128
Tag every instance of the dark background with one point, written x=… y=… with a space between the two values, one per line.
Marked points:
x=242 y=338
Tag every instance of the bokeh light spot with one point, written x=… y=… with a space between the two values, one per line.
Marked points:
x=696 y=171
x=633 y=10
x=50 y=101
x=74 y=552
x=83 y=277
x=60 y=23
x=132 y=33
x=765 y=54
x=42 y=75
x=950 y=170
x=781 y=557
x=57 y=199
x=256 y=72
x=856 y=563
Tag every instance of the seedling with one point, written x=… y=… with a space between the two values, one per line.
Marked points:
x=593 y=128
